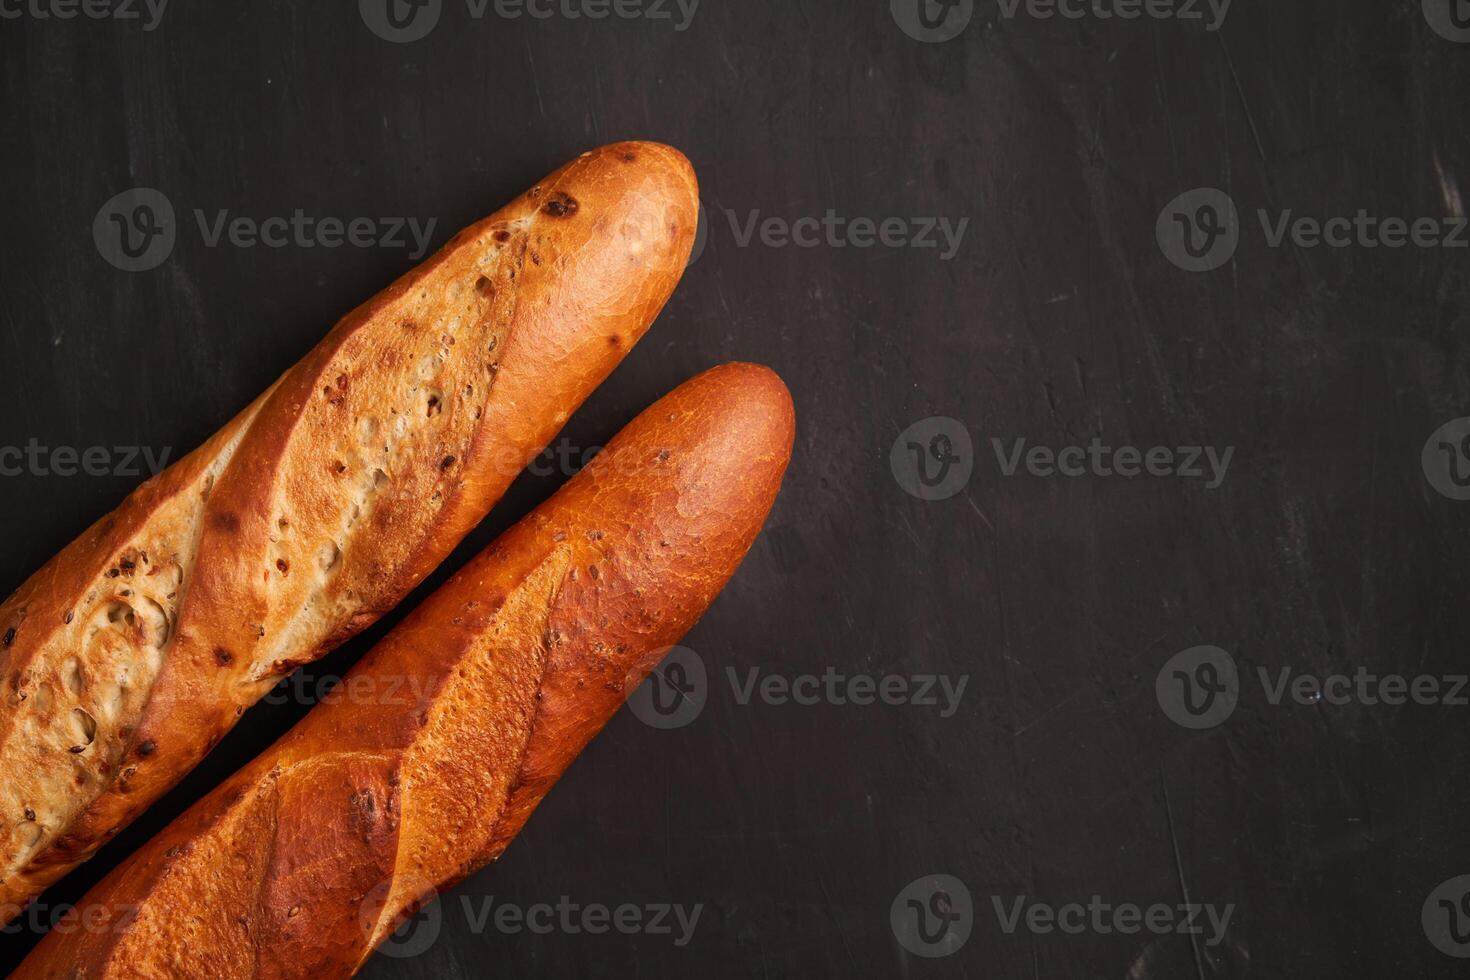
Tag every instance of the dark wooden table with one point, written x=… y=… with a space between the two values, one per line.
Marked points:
x=976 y=241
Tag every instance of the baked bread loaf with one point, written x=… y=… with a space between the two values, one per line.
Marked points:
x=127 y=657
x=304 y=861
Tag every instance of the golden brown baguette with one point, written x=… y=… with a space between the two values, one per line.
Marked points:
x=304 y=861
x=127 y=657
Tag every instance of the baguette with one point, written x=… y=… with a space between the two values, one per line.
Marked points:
x=126 y=658
x=304 y=861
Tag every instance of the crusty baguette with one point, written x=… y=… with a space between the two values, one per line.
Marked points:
x=127 y=657
x=304 y=861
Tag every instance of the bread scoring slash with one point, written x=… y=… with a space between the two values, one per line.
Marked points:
x=126 y=658
x=303 y=862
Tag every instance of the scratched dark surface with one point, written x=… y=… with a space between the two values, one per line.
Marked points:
x=1059 y=777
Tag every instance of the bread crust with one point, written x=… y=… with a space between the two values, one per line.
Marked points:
x=310 y=856
x=126 y=658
